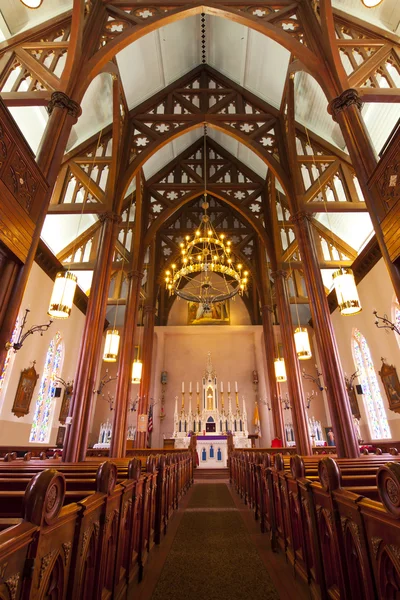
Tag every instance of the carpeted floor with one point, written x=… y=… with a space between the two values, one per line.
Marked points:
x=212 y=556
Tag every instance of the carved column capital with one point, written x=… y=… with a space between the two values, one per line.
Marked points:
x=61 y=100
x=267 y=309
x=300 y=217
x=347 y=98
x=279 y=274
x=110 y=216
x=149 y=309
x=134 y=274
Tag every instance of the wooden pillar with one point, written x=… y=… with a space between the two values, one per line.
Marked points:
x=64 y=113
x=269 y=344
x=338 y=400
x=295 y=387
x=77 y=434
x=118 y=438
x=144 y=399
x=346 y=111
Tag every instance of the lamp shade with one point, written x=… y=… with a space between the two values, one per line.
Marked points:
x=346 y=292
x=62 y=296
x=302 y=343
x=280 y=370
x=371 y=3
x=137 y=371
x=111 y=346
x=31 y=3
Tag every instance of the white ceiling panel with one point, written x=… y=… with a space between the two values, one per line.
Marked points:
x=180 y=47
x=266 y=67
x=386 y=15
x=18 y=17
x=170 y=151
x=226 y=47
x=239 y=151
x=311 y=109
x=141 y=69
x=59 y=230
x=353 y=228
x=97 y=110
x=380 y=119
x=32 y=121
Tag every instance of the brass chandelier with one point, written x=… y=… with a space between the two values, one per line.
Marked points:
x=203 y=254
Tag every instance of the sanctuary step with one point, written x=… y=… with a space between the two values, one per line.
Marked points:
x=211 y=474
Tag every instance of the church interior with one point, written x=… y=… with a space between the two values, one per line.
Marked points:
x=199 y=299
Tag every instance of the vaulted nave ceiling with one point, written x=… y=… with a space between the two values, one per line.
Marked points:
x=250 y=60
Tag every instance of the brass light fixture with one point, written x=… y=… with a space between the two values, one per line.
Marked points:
x=346 y=292
x=62 y=297
x=137 y=367
x=280 y=370
x=111 y=345
x=32 y=3
x=302 y=343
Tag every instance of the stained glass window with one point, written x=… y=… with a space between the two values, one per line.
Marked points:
x=396 y=318
x=373 y=402
x=10 y=355
x=42 y=420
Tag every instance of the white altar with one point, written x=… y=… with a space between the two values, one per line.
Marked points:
x=211 y=421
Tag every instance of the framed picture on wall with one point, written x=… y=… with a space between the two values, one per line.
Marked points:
x=391 y=384
x=26 y=385
x=216 y=314
x=66 y=401
x=330 y=436
x=351 y=392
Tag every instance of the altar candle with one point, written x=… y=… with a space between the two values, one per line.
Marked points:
x=183 y=387
x=197 y=387
x=222 y=387
x=190 y=387
x=229 y=387
x=236 y=387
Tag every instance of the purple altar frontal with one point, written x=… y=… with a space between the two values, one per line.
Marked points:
x=211 y=437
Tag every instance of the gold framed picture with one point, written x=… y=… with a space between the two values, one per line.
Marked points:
x=391 y=383
x=23 y=396
x=216 y=314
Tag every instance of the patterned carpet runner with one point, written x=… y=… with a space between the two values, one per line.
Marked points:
x=212 y=556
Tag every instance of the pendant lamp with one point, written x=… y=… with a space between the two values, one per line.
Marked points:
x=346 y=292
x=32 y=3
x=137 y=371
x=371 y=3
x=280 y=370
x=111 y=345
x=302 y=343
x=62 y=296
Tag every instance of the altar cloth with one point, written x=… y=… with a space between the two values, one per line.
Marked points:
x=207 y=438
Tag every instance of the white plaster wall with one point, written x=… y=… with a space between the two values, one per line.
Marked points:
x=376 y=292
x=15 y=430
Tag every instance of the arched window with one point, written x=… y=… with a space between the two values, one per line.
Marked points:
x=9 y=358
x=376 y=415
x=41 y=426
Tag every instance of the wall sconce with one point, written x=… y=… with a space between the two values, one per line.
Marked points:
x=309 y=398
x=385 y=323
x=315 y=380
x=22 y=337
x=285 y=402
x=133 y=404
x=104 y=381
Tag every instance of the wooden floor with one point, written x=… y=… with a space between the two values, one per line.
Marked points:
x=279 y=570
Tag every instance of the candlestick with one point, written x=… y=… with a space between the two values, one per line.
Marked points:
x=183 y=401
x=229 y=387
x=237 y=399
x=222 y=400
x=198 y=401
x=183 y=387
x=190 y=387
x=222 y=387
x=197 y=387
x=236 y=387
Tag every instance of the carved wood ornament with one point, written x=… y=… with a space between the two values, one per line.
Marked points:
x=23 y=397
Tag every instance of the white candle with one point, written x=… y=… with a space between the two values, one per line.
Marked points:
x=229 y=387
x=183 y=387
x=190 y=387
x=222 y=387
x=197 y=387
x=236 y=387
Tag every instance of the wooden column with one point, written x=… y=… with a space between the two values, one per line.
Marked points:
x=144 y=399
x=64 y=113
x=118 y=438
x=77 y=433
x=269 y=343
x=338 y=400
x=295 y=387
x=346 y=111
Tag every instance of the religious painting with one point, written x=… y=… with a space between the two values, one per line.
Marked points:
x=351 y=392
x=391 y=384
x=24 y=394
x=216 y=314
x=330 y=436
x=60 y=437
x=64 y=410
